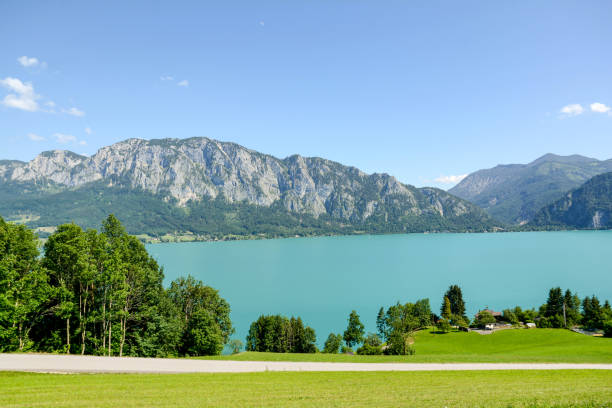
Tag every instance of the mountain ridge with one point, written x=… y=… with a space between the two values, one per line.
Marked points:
x=586 y=207
x=513 y=193
x=195 y=172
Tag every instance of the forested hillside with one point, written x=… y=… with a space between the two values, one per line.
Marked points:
x=514 y=193
x=587 y=207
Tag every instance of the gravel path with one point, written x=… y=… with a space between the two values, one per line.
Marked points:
x=90 y=364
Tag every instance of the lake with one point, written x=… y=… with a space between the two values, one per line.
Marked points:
x=323 y=279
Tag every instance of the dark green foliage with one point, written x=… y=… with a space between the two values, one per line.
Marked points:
x=24 y=288
x=607 y=328
x=401 y=321
x=191 y=296
x=560 y=310
x=355 y=330
x=381 y=323
x=278 y=334
x=483 y=318
x=594 y=315
x=371 y=345
x=455 y=297
x=510 y=317
x=202 y=336
x=587 y=207
x=333 y=343
x=100 y=293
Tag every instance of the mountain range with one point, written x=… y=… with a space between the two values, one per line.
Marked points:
x=209 y=189
x=587 y=207
x=514 y=193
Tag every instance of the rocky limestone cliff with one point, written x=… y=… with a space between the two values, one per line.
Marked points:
x=194 y=169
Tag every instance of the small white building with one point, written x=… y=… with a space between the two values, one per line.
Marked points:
x=530 y=325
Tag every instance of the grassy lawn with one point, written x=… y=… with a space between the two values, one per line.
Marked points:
x=379 y=389
x=520 y=345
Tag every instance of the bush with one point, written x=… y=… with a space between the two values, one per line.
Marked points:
x=607 y=327
x=459 y=321
x=368 y=350
x=346 y=350
x=443 y=325
x=333 y=343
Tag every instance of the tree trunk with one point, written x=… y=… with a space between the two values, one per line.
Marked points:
x=123 y=328
x=68 y=336
x=110 y=327
x=20 y=337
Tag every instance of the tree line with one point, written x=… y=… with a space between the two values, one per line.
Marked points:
x=397 y=324
x=100 y=293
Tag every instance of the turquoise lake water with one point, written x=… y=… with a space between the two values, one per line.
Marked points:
x=323 y=279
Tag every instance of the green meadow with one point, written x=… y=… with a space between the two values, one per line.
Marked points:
x=519 y=345
x=340 y=389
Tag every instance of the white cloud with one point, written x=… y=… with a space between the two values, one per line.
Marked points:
x=82 y=142
x=166 y=78
x=573 y=109
x=74 y=112
x=184 y=83
x=64 y=139
x=262 y=23
x=450 y=179
x=23 y=98
x=35 y=138
x=88 y=130
x=28 y=61
x=599 y=107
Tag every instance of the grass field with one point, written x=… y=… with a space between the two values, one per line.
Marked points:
x=521 y=345
x=346 y=389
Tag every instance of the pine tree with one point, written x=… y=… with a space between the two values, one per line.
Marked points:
x=455 y=297
x=446 y=311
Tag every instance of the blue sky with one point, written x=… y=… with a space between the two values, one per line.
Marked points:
x=421 y=90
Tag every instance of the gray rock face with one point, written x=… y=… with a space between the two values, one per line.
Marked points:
x=198 y=168
x=514 y=193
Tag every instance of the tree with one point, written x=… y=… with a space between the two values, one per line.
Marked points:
x=455 y=297
x=593 y=316
x=381 y=324
x=202 y=337
x=191 y=295
x=403 y=321
x=509 y=316
x=554 y=303
x=446 y=311
x=355 y=330
x=371 y=345
x=24 y=288
x=443 y=325
x=235 y=345
x=278 y=334
x=483 y=318
x=332 y=344
x=423 y=312
x=67 y=261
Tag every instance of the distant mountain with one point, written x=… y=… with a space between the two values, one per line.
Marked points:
x=513 y=193
x=214 y=189
x=587 y=207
